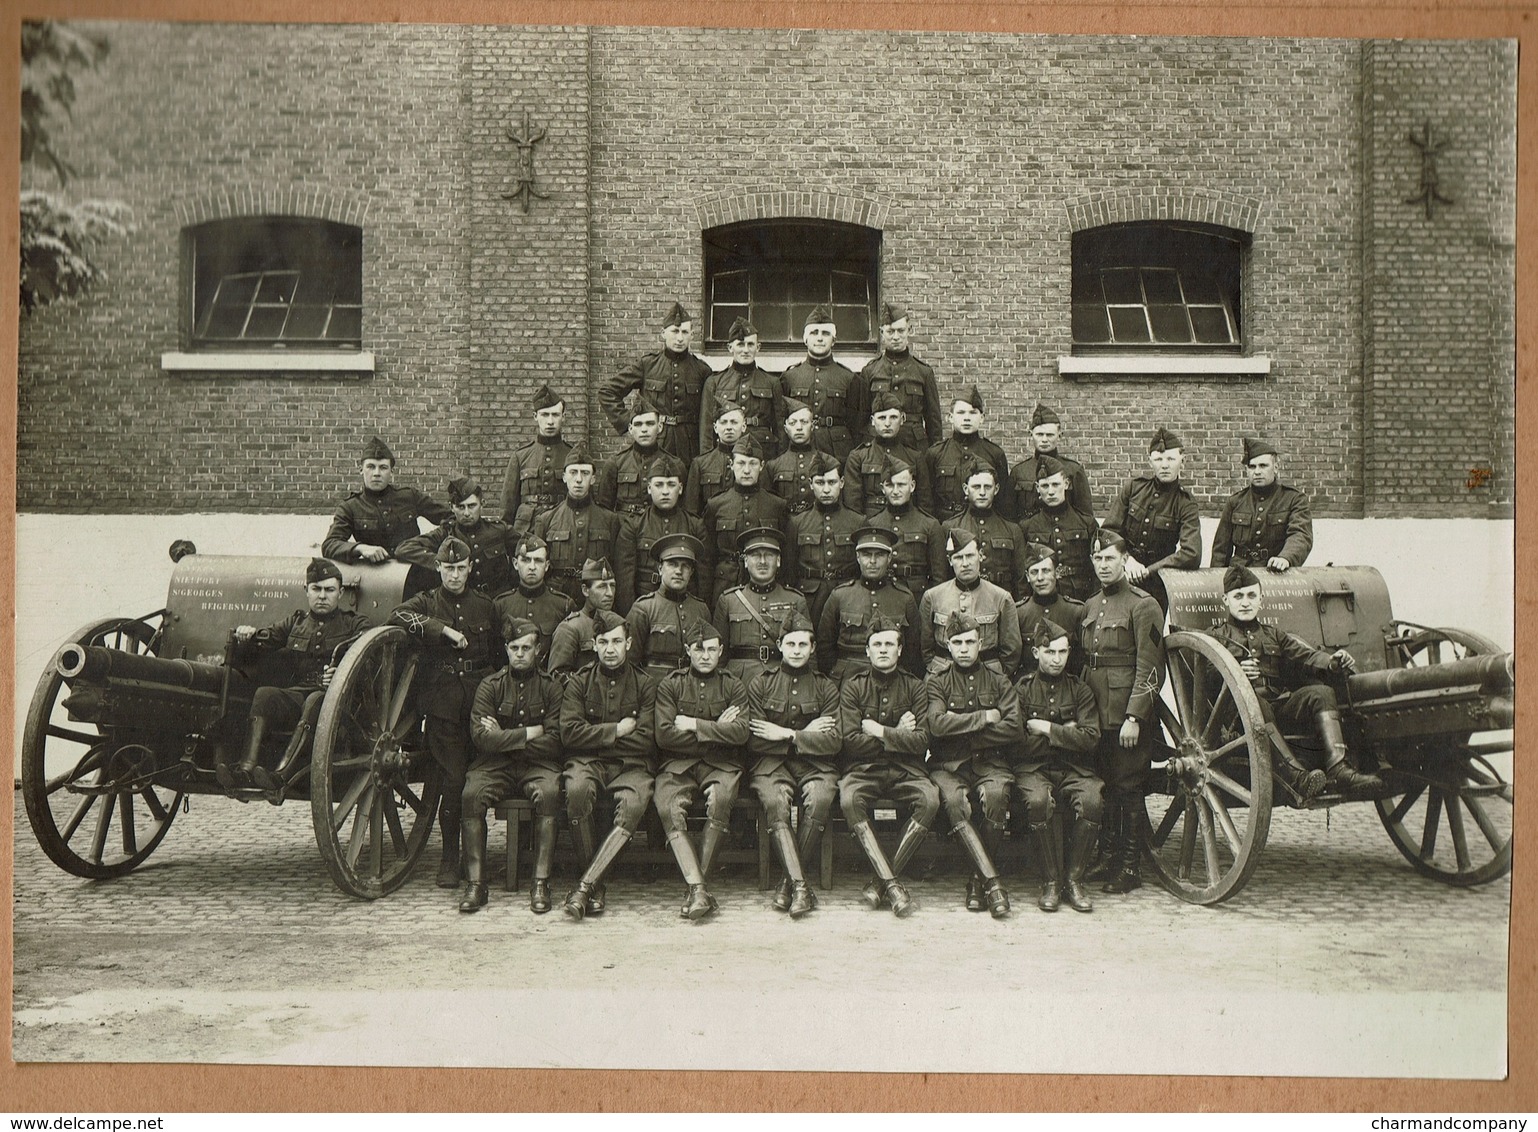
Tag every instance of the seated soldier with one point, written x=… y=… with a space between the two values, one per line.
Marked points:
x=314 y=639
x=974 y=727
x=571 y=647
x=1262 y=649
x=371 y=523
x=702 y=733
x=515 y=726
x=793 y=717
x=883 y=722
x=608 y=711
x=1056 y=766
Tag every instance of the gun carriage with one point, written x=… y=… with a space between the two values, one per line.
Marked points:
x=133 y=713
x=1433 y=708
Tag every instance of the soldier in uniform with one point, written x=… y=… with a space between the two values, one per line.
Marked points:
x=755 y=391
x=825 y=385
x=968 y=592
x=793 y=718
x=883 y=715
x=1055 y=767
x=460 y=638
x=974 y=727
x=1121 y=640
x=672 y=378
x=1063 y=527
x=790 y=473
x=577 y=528
x=533 y=481
x=745 y=506
x=710 y=473
x=898 y=372
x=844 y=627
x=1158 y=518
x=571 y=647
x=490 y=540
x=634 y=563
x=313 y=640
x=621 y=485
x=1047 y=602
x=1265 y=652
x=749 y=616
x=920 y=539
x=608 y=721
x=1001 y=542
x=660 y=621
x=531 y=599
x=819 y=549
x=1046 y=428
x=1268 y=523
x=867 y=463
x=946 y=461
x=371 y=523
x=515 y=726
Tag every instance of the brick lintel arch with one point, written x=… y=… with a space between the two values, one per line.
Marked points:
x=801 y=204
x=319 y=202
x=1163 y=202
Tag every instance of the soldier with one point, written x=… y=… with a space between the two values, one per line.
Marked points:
x=531 y=599
x=672 y=378
x=944 y=461
x=660 y=621
x=1121 y=639
x=490 y=540
x=702 y=732
x=920 y=539
x=755 y=391
x=1046 y=428
x=460 y=638
x=844 y=626
x=790 y=473
x=1265 y=652
x=533 y=481
x=898 y=372
x=634 y=563
x=1064 y=528
x=998 y=624
x=313 y=640
x=621 y=486
x=710 y=474
x=371 y=523
x=883 y=721
x=515 y=726
x=571 y=647
x=1056 y=767
x=793 y=717
x=867 y=463
x=819 y=551
x=1158 y=518
x=745 y=506
x=974 y=727
x=825 y=385
x=749 y=616
x=1047 y=602
x=576 y=529
x=1268 y=523
x=1001 y=542
x=608 y=717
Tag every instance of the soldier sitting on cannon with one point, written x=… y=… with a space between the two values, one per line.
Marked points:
x=371 y=523
x=314 y=639
x=1262 y=649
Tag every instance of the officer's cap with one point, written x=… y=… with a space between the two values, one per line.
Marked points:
x=1238 y=578
x=1107 y=540
x=678 y=546
x=597 y=570
x=725 y=405
x=665 y=465
x=319 y=570
x=755 y=538
x=676 y=316
x=1163 y=438
x=796 y=622
x=881 y=623
x=892 y=312
x=515 y=628
x=957 y=540
x=377 y=449
x=1041 y=415
x=972 y=396
x=818 y=316
x=749 y=446
x=1255 y=446
x=546 y=398
x=453 y=550
x=875 y=538
x=824 y=462
x=1047 y=467
x=892 y=466
x=792 y=407
x=1037 y=552
x=578 y=455
x=463 y=488
x=885 y=402
x=958 y=623
x=606 y=621
x=641 y=405
x=741 y=328
x=1046 y=632
x=700 y=632
x=529 y=544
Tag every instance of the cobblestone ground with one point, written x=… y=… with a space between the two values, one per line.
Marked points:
x=231 y=944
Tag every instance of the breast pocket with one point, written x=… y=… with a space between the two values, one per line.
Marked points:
x=1113 y=635
x=562 y=537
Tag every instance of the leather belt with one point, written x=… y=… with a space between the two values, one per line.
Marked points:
x=1110 y=662
x=910 y=569
x=667 y=420
x=822 y=422
x=566 y=571
x=766 y=654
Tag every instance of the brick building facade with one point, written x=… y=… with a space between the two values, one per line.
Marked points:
x=1377 y=344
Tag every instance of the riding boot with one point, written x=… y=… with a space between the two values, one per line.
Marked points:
x=806 y=849
x=1048 y=841
x=710 y=845
x=1082 y=837
x=448 y=824
x=473 y=835
x=800 y=892
x=697 y=902
x=1107 y=852
x=544 y=857
x=1337 y=771
x=1130 y=840
x=1307 y=784
x=234 y=777
x=273 y=781
x=579 y=902
x=886 y=886
x=998 y=899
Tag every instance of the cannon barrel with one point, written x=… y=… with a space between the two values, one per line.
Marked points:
x=1494 y=674
x=97 y=665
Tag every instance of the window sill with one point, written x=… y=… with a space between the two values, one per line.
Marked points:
x=1162 y=365
x=275 y=361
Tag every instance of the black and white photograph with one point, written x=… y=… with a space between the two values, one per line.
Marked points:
x=679 y=548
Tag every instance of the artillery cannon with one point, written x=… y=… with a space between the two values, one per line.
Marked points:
x=1431 y=709
x=131 y=715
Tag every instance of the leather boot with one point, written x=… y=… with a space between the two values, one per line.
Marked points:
x=1337 y=771
x=1107 y=851
x=710 y=845
x=1082 y=837
x=913 y=836
x=806 y=849
x=998 y=899
x=448 y=823
x=579 y=900
x=800 y=893
x=1127 y=876
x=544 y=857
x=885 y=888
x=234 y=777
x=697 y=902
x=583 y=836
x=1306 y=784
x=473 y=834
x=274 y=781
x=1048 y=841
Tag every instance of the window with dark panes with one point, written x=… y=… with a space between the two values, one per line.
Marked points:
x=275 y=282
x=1169 y=285
x=773 y=272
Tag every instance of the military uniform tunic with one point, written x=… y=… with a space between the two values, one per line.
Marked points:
x=726 y=517
x=945 y=462
x=635 y=568
x=919 y=561
x=844 y=626
x=1158 y=521
x=993 y=609
x=808 y=763
x=827 y=388
x=379 y=518
x=1059 y=609
x=710 y=759
x=621 y=486
x=748 y=618
x=507 y=759
x=867 y=464
x=533 y=481
x=1276 y=652
x=819 y=552
x=491 y=543
x=1002 y=545
x=1026 y=501
x=571 y=645
x=306 y=644
x=1068 y=532
x=893 y=765
x=574 y=532
x=593 y=702
x=659 y=627
x=967 y=752
x=672 y=382
x=546 y=607
x=1256 y=527
x=789 y=475
x=757 y=393
x=710 y=475
x=1061 y=763
x=1121 y=641
x=914 y=384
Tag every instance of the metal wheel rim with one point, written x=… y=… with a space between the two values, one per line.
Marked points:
x=1453 y=824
